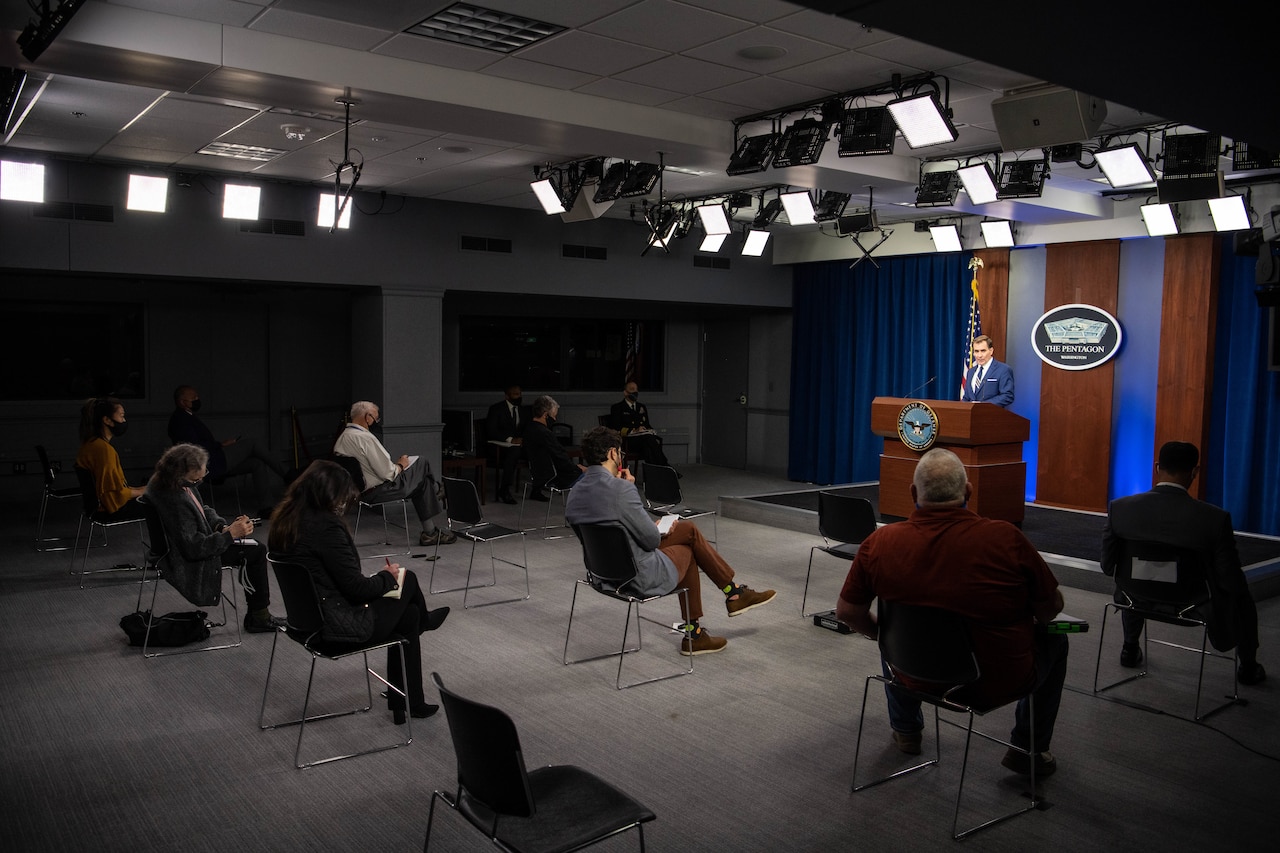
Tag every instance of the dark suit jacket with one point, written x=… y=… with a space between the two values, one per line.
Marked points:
x=187 y=428
x=1169 y=514
x=623 y=418
x=547 y=457
x=499 y=425
x=997 y=385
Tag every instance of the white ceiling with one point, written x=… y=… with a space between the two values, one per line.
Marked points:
x=154 y=81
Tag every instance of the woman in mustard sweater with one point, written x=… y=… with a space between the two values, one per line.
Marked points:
x=101 y=420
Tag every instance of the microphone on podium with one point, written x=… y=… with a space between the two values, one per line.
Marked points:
x=913 y=391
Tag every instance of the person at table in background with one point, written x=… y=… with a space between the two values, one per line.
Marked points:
x=988 y=380
x=1170 y=515
x=308 y=528
x=229 y=457
x=506 y=422
x=607 y=494
x=204 y=540
x=101 y=420
x=386 y=480
x=630 y=418
x=549 y=463
x=988 y=572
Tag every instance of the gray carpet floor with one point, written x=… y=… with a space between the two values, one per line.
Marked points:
x=104 y=750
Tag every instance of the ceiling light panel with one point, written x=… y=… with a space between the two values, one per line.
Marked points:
x=946 y=238
x=476 y=26
x=1160 y=219
x=799 y=207
x=998 y=234
x=979 y=183
x=1125 y=166
x=756 y=241
x=1229 y=213
x=922 y=121
x=21 y=181
x=715 y=221
x=147 y=193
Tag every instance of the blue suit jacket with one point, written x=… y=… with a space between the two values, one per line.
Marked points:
x=997 y=387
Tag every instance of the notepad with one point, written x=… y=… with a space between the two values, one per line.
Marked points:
x=395 y=593
x=1065 y=623
x=666 y=523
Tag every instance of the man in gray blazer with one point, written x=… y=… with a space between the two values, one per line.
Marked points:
x=1170 y=515
x=607 y=494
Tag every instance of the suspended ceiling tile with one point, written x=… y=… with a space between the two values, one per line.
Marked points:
x=765 y=93
x=437 y=52
x=915 y=54
x=842 y=32
x=516 y=68
x=322 y=30
x=795 y=50
x=683 y=74
x=389 y=15
x=844 y=72
x=590 y=53
x=707 y=107
x=752 y=10
x=565 y=13
x=667 y=26
x=634 y=93
x=989 y=76
x=235 y=13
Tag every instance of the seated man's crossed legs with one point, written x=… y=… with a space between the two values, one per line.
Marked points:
x=690 y=551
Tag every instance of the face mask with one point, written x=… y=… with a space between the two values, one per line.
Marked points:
x=515 y=401
x=635 y=395
x=194 y=484
x=195 y=405
x=118 y=429
x=550 y=420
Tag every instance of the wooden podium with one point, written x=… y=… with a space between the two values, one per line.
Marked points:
x=988 y=440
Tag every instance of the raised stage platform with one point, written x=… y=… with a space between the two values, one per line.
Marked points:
x=1069 y=540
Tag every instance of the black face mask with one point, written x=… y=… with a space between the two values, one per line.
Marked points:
x=550 y=420
x=634 y=396
x=118 y=429
x=195 y=405
x=515 y=401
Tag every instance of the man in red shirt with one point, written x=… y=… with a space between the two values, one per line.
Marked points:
x=948 y=557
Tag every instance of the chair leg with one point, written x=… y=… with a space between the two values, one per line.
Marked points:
x=854 y=787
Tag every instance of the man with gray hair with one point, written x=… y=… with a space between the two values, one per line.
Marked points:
x=946 y=556
x=386 y=480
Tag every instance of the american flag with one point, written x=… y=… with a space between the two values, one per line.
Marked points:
x=975 y=322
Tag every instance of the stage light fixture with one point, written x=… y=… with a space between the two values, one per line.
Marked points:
x=713 y=242
x=830 y=206
x=979 y=183
x=1161 y=219
x=753 y=154
x=240 y=201
x=998 y=233
x=1125 y=166
x=715 y=219
x=1022 y=178
x=147 y=193
x=767 y=214
x=946 y=238
x=1247 y=158
x=640 y=180
x=548 y=195
x=21 y=181
x=1191 y=168
x=801 y=143
x=867 y=131
x=756 y=241
x=662 y=220
x=922 y=120
x=937 y=189
x=1229 y=213
x=611 y=182
x=324 y=215
x=37 y=36
x=799 y=207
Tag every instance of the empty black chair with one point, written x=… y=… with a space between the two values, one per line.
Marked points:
x=662 y=496
x=1162 y=583
x=352 y=466
x=926 y=644
x=466 y=518
x=844 y=521
x=158 y=551
x=97 y=520
x=554 y=808
x=306 y=623
x=51 y=491
x=611 y=567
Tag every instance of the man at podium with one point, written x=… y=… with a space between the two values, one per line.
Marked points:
x=988 y=381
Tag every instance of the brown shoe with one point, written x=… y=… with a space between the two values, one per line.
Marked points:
x=701 y=643
x=747 y=599
x=908 y=742
x=1020 y=762
x=439 y=536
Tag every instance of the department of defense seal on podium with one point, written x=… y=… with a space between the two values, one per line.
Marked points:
x=917 y=426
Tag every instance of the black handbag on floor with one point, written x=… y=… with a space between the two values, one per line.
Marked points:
x=171 y=629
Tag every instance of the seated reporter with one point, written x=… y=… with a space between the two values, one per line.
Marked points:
x=308 y=528
x=101 y=420
x=203 y=539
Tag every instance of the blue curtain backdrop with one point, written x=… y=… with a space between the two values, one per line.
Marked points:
x=1242 y=465
x=862 y=333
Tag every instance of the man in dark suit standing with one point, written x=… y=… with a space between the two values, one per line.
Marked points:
x=1169 y=514
x=988 y=381
x=630 y=418
x=506 y=422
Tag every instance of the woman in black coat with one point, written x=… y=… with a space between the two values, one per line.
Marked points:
x=308 y=529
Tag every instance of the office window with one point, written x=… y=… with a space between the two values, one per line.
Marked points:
x=546 y=355
x=71 y=351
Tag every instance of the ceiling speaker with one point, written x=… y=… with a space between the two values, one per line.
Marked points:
x=1046 y=116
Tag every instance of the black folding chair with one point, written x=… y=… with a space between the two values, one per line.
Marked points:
x=662 y=496
x=466 y=518
x=611 y=567
x=352 y=466
x=1166 y=584
x=552 y=808
x=929 y=645
x=306 y=623
x=52 y=491
x=97 y=521
x=843 y=521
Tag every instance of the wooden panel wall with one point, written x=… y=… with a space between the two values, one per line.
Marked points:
x=1188 y=322
x=993 y=288
x=1075 y=405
